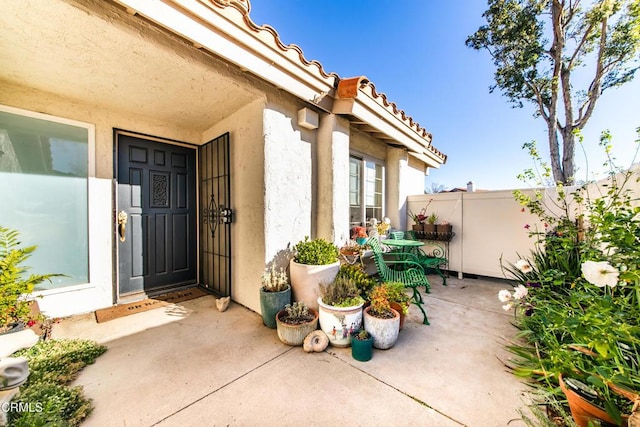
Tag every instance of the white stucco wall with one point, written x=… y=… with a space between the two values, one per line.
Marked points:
x=333 y=172
x=99 y=292
x=404 y=177
x=288 y=178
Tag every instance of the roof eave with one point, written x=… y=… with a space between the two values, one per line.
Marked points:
x=227 y=32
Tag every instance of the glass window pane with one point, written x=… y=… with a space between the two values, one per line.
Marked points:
x=43 y=182
x=355 y=196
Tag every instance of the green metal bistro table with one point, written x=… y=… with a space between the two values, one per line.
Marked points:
x=402 y=244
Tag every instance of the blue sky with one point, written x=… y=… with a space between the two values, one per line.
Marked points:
x=414 y=51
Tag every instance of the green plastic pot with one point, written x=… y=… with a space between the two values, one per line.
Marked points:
x=362 y=350
x=271 y=303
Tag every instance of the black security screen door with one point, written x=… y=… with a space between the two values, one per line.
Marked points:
x=156 y=215
x=216 y=216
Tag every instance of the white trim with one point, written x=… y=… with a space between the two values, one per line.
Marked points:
x=364 y=158
x=96 y=293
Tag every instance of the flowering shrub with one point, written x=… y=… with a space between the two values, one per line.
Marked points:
x=576 y=297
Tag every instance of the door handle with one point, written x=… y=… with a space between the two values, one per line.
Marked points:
x=122 y=225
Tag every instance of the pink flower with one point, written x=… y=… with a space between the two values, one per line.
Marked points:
x=527 y=226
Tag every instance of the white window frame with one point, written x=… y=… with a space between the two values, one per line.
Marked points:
x=91 y=207
x=364 y=159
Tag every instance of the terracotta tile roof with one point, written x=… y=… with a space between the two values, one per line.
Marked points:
x=346 y=88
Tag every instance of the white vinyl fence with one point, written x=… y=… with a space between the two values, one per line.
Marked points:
x=489 y=225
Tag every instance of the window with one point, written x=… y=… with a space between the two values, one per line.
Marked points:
x=366 y=190
x=44 y=171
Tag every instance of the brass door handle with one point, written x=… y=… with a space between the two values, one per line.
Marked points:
x=122 y=224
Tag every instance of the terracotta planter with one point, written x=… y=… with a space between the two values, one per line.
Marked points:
x=295 y=334
x=429 y=228
x=306 y=279
x=444 y=228
x=397 y=307
x=339 y=322
x=271 y=303
x=582 y=410
x=384 y=331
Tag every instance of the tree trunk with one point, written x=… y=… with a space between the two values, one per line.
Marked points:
x=568 y=155
x=554 y=153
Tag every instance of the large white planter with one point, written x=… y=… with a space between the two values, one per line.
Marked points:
x=384 y=331
x=306 y=279
x=339 y=322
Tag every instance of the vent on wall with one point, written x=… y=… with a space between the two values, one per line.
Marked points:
x=307 y=118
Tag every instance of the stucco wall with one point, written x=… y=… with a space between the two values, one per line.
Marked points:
x=333 y=173
x=365 y=144
x=289 y=181
x=99 y=293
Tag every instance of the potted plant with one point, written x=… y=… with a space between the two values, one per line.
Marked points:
x=380 y=320
x=351 y=249
x=296 y=321
x=430 y=225
x=315 y=261
x=340 y=310
x=275 y=293
x=359 y=234
x=361 y=345
x=417 y=221
x=443 y=228
x=398 y=299
x=357 y=273
x=16 y=310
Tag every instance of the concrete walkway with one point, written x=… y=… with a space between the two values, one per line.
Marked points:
x=190 y=365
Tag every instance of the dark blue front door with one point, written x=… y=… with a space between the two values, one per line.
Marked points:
x=156 y=215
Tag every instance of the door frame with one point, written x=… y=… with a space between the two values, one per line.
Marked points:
x=117 y=132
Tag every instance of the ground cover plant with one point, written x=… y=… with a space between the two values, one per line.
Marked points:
x=576 y=296
x=53 y=365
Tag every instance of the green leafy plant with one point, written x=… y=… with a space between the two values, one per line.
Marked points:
x=53 y=364
x=380 y=303
x=577 y=296
x=357 y=274
x=432 y=218
x=315 y=252
x=396 y=293
x=361 y=335
x=14 y=286
x=275 y=281
x=342 y=292
x=296 y=314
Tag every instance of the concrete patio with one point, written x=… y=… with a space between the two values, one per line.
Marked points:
x=190 y=365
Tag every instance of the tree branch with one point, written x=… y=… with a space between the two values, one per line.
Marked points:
x=594 y=87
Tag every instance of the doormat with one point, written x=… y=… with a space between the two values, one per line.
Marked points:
x=106 y=314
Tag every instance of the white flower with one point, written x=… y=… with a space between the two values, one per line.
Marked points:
x=600 y=273
x=507 y=307
x=523 y=265
x=520 y=292
x=387 y=220
x=505 y=296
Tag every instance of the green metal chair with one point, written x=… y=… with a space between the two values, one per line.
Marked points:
x=411 y=274
x=429 y=262
x=397 y=235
